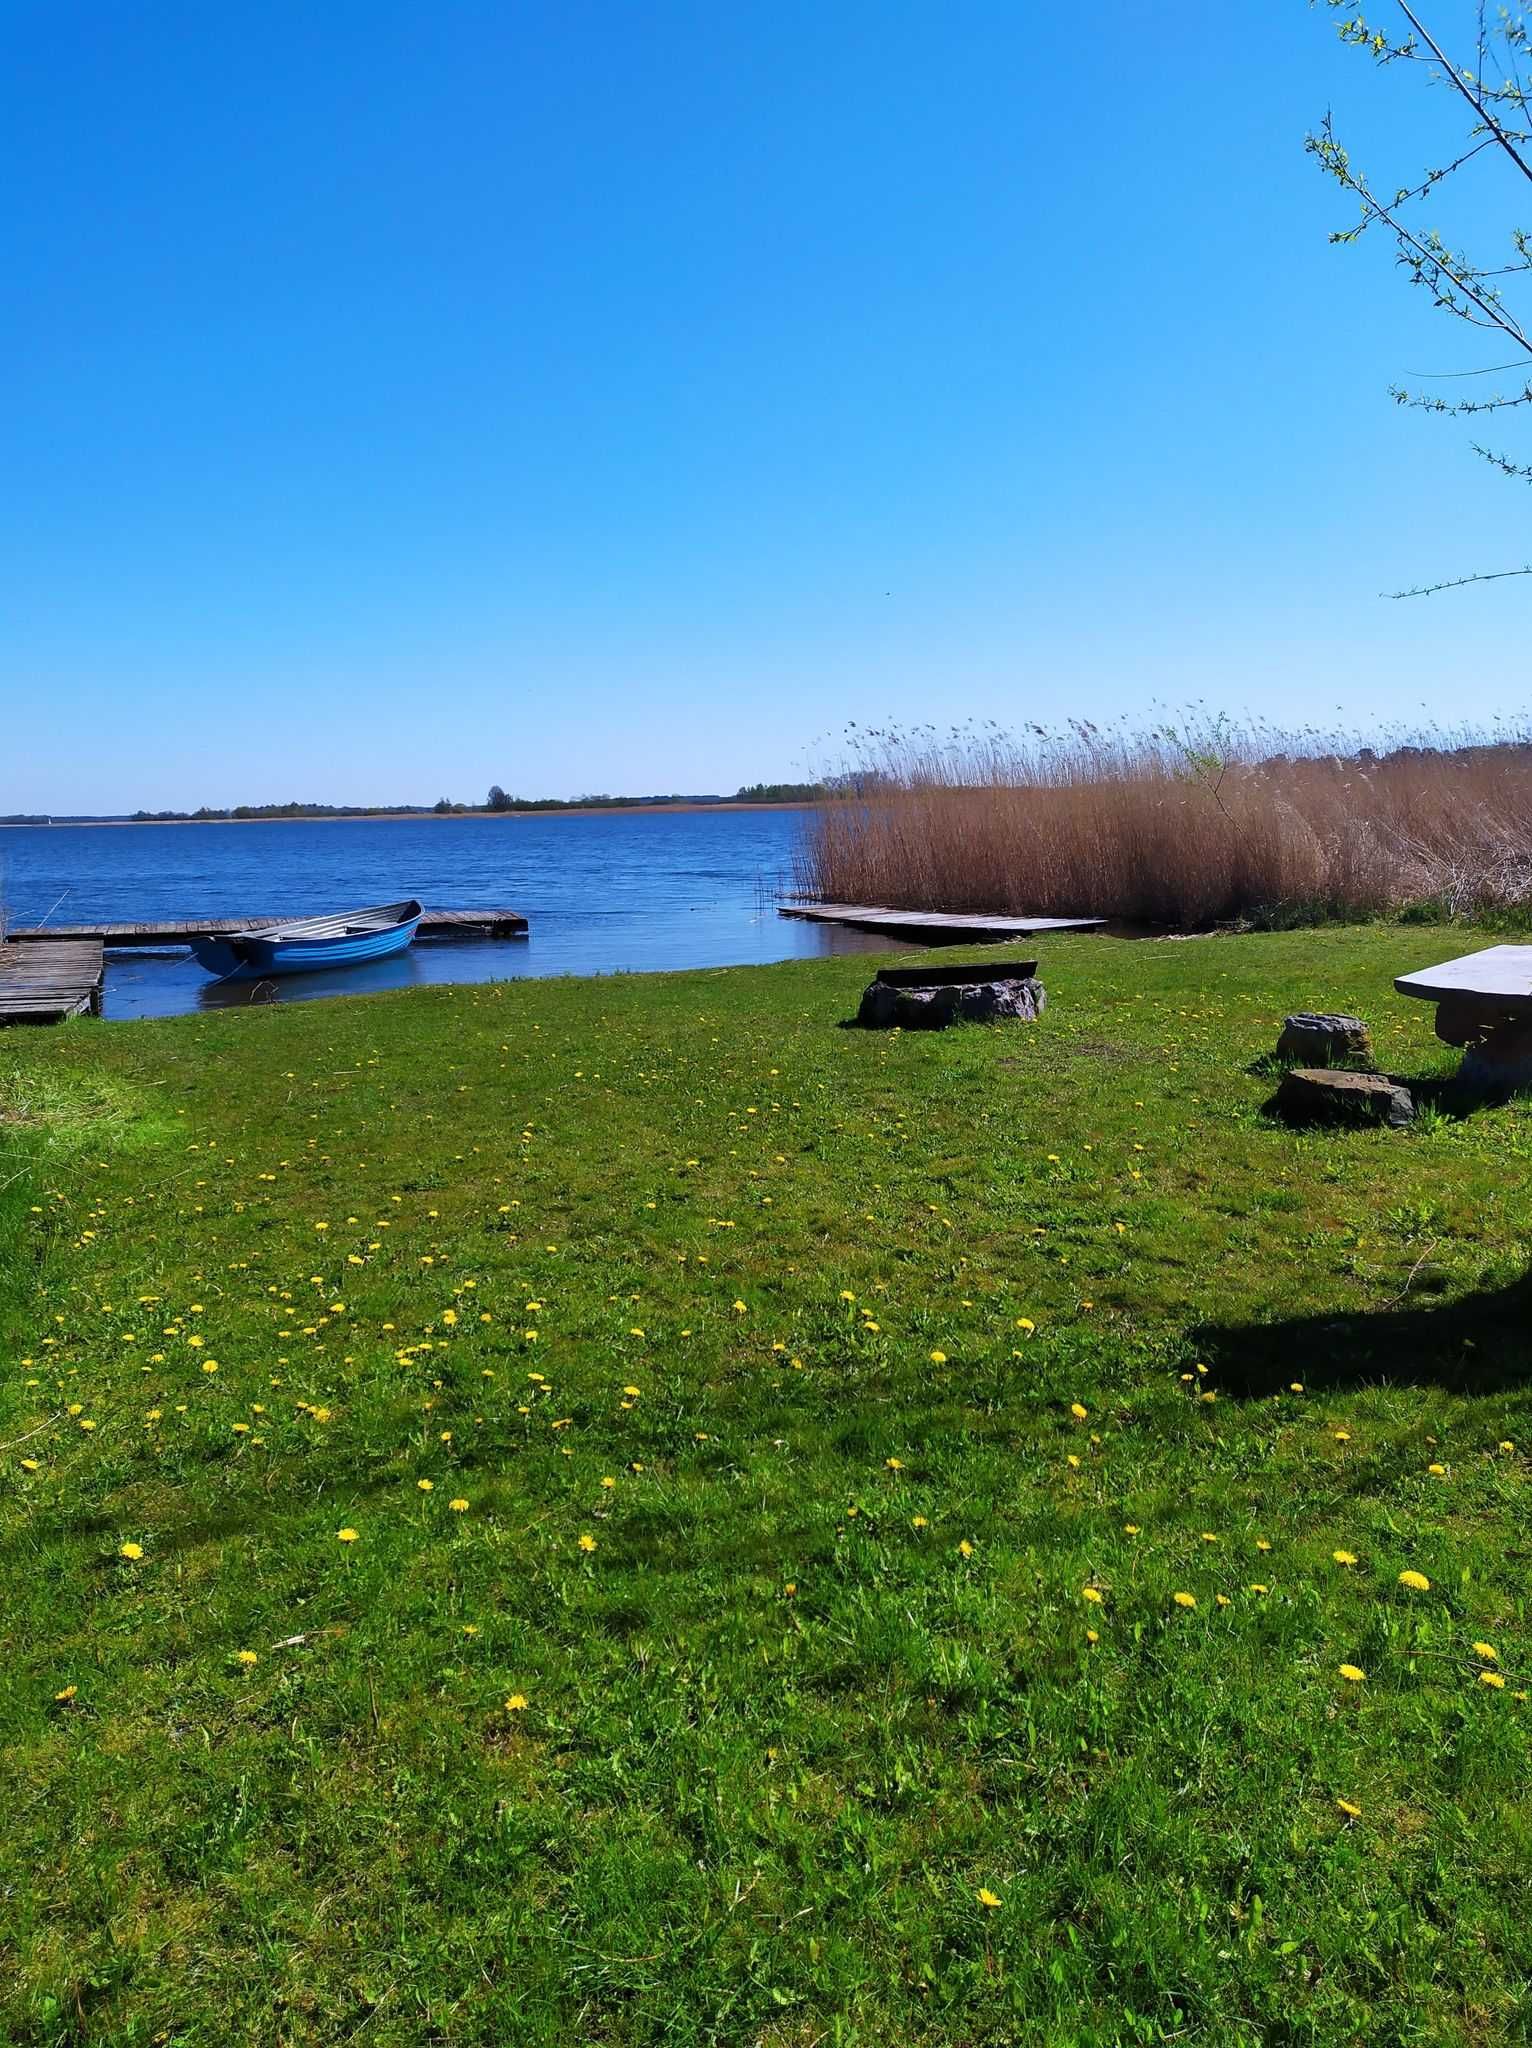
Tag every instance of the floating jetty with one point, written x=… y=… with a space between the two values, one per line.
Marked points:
x=934 y=927
x=180 y=931
x=50 y=972
x=46 y=984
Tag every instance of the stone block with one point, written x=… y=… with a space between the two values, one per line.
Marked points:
x=1317 y=1038
x=933 y=1008
x=1331 y=1095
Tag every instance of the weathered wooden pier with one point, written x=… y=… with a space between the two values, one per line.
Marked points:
x=50 y=972
x=180 y=931
x=46 y=984
x=934 y=927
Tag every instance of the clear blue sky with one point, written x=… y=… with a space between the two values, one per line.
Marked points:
x=401 y=397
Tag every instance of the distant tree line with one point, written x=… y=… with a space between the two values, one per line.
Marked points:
x=497 y=801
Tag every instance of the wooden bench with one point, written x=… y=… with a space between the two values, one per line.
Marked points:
x=1483 y=1004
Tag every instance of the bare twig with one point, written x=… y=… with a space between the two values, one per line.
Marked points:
x=1409 y=1279
x=1457 y=582
x=15 y=1440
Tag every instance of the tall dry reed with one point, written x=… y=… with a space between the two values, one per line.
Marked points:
x=1187 y=825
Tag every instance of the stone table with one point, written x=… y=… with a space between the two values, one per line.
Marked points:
x=1483 y=1004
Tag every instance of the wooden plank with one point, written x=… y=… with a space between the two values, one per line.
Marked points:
x=946 y=924
x=47 y=984
x=123 y=934
x=1503 y=974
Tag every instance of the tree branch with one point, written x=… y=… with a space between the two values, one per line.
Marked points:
x=1474 y=99
x=1457 y=582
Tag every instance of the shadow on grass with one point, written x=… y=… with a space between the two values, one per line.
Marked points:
x=1479 y=1344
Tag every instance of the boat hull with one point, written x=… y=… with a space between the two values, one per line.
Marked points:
x=233 y=958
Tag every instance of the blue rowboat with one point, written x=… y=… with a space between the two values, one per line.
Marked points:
x=310 y=943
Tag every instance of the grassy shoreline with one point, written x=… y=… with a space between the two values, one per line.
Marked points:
x=740 y=1745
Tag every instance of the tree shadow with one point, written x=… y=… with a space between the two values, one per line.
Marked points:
x=1478 y=1344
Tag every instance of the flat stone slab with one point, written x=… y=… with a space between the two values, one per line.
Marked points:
x=1501 y=974
x=1331 y=1095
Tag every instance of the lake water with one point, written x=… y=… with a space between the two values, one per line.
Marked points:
x=604 y=893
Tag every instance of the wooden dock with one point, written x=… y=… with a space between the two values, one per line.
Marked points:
x=46 y=984
x=934 y=927
x=180 y=931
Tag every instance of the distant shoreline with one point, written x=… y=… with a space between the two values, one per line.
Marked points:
x=409 y=817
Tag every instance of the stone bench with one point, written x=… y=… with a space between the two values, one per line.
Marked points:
x=1484 y=1005
x=930 y=997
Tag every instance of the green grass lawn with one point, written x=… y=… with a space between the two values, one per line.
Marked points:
x=857 y=1537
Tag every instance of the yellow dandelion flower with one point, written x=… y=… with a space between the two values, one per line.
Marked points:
x=587 y=1543
x=1073 y=1461
x=68 y=1693
x=938 y=1358
x=965 y=1548
x=517 y=1703
x=1092 y=1636
x=1092 y=1593
x=1487 y=1651
x=1257 y=1587
x=425 y=1485
x=131 y=1551
x=1349 y=1807
x=1416 y=1581
x=1352 y=1673
x=986 y=1897
x=894 y=1464
x=345 y=1535
x=1344 y=1556
x=1130 y=1529
x=1185 y=1599
x=1078 y=1411
x=1437 y=1471
x=1222 y=1600
x=246 y=1657
x=1261 y=1543
x=1494 y=1678
x=458 y=1506
x=1025 y=1323
x=919 y=1522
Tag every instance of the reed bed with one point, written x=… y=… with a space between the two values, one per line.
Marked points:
x=1187 y=825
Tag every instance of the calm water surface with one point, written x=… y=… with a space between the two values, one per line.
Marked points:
x=628 y=892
